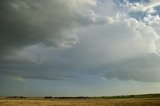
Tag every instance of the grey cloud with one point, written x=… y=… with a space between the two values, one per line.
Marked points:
x=102 y=50
x=142 y=68
x=49 y=23
x=119 y=48
x=24 y=23
x=26 y=70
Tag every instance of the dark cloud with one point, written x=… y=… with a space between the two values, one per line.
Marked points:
x=24 y=23
x=47 y=23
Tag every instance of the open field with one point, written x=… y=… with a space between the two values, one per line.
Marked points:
x=80 y=102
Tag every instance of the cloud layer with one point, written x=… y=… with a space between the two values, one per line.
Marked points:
x=25 y=23
x=56 y=40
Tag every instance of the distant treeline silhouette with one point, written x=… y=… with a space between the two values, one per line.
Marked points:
x=19 y=97
x=79 y=97
x=87 y=97
x=108 y=97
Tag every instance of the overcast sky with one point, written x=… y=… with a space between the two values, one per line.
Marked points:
x=79 y=47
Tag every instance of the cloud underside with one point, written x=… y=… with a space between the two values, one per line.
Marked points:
x=58 y=40
x=142 y=68
x=25 y=23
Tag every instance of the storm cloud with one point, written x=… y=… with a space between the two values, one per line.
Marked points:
x=49 y=23
x=57 y=40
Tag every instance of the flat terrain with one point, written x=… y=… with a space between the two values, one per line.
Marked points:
x=80 y=102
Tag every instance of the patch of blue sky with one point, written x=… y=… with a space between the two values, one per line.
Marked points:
x=122 y=3
x=131 y=1
x=139 y=15
x=157 y=8
x=136 y=1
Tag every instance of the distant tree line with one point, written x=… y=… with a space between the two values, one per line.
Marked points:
x=85 y=97
x=18 y=97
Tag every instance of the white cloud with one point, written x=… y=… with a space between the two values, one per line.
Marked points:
x=141 y=6
x=123 y=49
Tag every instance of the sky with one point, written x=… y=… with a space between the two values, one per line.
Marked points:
x=79 y=47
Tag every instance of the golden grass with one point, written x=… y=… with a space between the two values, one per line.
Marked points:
x=81 y=102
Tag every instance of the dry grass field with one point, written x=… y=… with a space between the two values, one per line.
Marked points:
x=81 y=102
